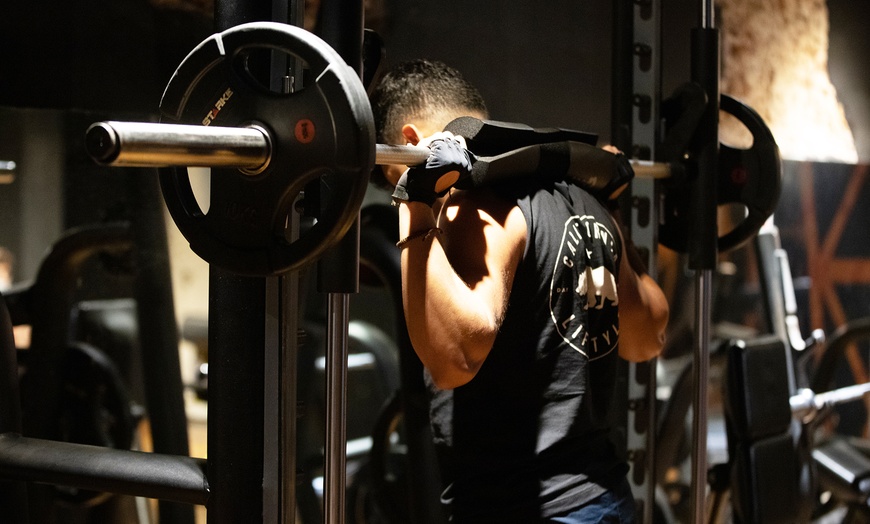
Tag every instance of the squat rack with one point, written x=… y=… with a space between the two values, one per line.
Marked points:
x=250 y=473
x=637 y=128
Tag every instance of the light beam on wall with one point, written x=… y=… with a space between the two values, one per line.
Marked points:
x=775 y=59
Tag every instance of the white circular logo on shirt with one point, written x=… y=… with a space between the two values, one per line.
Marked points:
x=583 y=289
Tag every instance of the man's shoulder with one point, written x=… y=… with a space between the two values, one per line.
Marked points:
x=486 y=199
x=465 y=213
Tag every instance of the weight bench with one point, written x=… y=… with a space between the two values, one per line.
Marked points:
x=768 y=463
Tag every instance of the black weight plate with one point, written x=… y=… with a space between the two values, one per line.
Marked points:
x=751 y=178
x=323 y=130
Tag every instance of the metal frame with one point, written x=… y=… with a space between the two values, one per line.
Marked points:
x=250 y=473
x=637 y=128
x=636 y=119
x=167 y=475
x=252 y=328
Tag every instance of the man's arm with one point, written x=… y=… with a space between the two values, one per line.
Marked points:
x=456 y=281
x=643 y=308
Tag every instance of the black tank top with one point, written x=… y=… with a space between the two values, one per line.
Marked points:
x=528 y=436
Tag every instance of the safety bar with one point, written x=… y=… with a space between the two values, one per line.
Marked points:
x=151 y=475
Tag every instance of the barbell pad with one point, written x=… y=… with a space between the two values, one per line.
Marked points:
x=524 y=162
x=600 y=172
x=492 y=137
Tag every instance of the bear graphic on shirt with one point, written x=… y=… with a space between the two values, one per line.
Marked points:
x=583 y=295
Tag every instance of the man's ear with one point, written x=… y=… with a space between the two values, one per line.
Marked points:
x=412 y=134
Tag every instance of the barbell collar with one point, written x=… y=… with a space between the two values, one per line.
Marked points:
x=146 y=144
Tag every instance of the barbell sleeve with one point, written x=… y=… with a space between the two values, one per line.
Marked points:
x=148 y=144
x=806 y=404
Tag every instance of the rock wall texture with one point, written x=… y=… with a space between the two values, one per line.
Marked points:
x=775 y=59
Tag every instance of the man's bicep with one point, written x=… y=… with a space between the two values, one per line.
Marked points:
x=643 y=309
x=485 y=244
x=643 y=317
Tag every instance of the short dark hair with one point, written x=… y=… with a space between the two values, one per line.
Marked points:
x=418 y=89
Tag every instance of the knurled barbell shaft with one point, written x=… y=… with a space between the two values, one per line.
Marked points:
x=148 y=144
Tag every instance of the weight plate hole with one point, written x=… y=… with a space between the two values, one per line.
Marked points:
x=255 y=63
x=733 y=132
x=731 y=215
x=200 y=183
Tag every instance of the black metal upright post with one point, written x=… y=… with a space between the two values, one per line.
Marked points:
x=703 y=237
x=341 y=26
x=621 y=75
x=237 y=310
x=636 y=101
x=235 y=404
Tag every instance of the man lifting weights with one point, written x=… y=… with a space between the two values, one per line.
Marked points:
x=519 y=299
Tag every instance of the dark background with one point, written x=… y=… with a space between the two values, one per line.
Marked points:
x=543 y=63
x=66 y=64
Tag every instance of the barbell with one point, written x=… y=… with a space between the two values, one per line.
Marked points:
x=143 y=144
x=267 y=147
x=248 y=149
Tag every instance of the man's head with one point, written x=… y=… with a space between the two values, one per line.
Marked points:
x=417 y=99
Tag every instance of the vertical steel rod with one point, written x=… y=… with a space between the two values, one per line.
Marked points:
x=341 y=26
x=708 y=14
x=703 y=239
x=288 y=398
x=336 y=408
x=703 y=300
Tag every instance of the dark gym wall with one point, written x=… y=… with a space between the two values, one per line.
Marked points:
x=541 y=63
x=544 y=63
x=94 y=54
x=64 y=65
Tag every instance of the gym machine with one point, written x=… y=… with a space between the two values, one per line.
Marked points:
x=252 y=147
x=84 y=378
x=269 y=141
x=685 y=125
